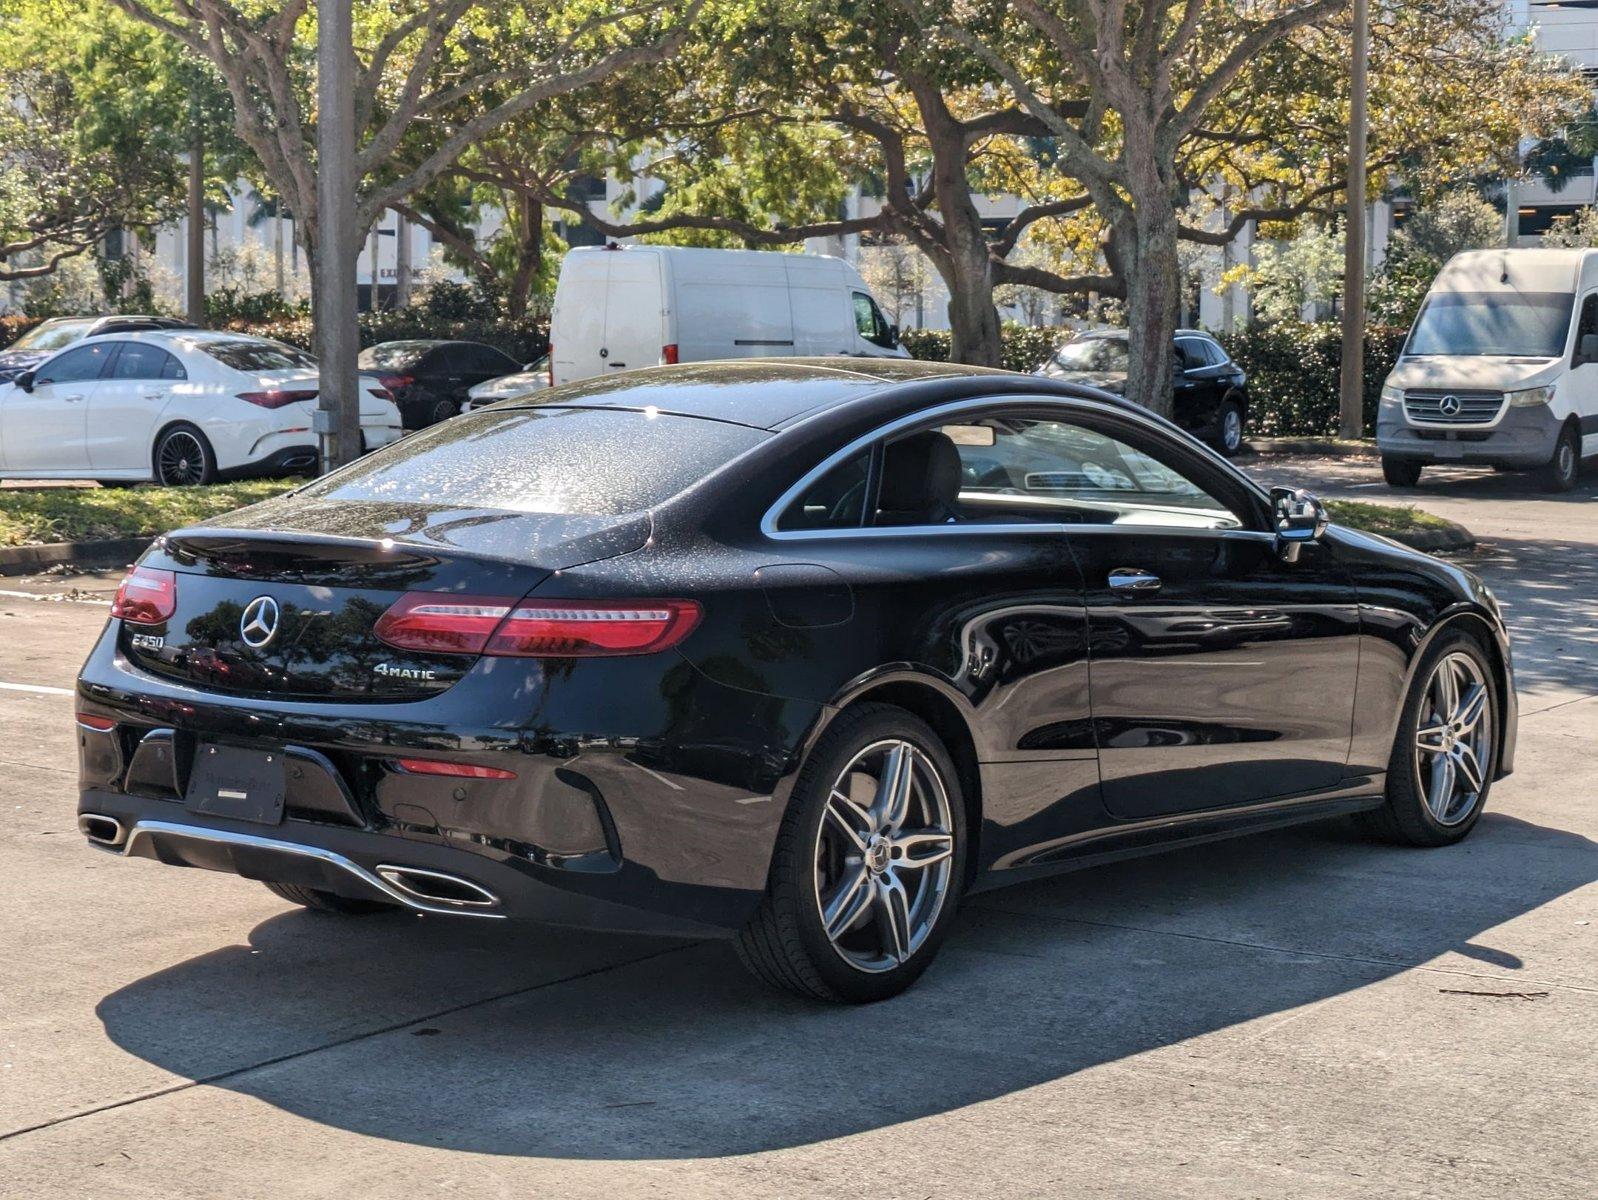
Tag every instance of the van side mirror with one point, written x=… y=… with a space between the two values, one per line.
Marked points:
x=24 y=381
x=1587 y=348
x=893 y=335
x=1297 y=517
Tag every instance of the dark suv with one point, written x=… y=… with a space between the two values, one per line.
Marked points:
x=45 y=338
x=1211 y=400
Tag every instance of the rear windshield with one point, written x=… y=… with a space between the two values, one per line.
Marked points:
x=576 y=461
x=1092 y=354
x=394 y=354
x=1517 y=324
x=52 y=335
x=257 y=354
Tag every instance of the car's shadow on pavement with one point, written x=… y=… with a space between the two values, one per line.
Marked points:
x=679 y=1054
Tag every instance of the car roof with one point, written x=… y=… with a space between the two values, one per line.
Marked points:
x=1121 y=335
x=762 y=393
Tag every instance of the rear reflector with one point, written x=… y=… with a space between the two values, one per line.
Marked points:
x=668 y=354
x=277 y=399
x=550 y=354
x=98 y=724
x=146 y=596
x=433 y=766
x=436 y=624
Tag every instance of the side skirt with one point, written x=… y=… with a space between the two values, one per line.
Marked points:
x=1133 y=839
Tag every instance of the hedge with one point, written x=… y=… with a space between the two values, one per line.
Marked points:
x=1294 y=368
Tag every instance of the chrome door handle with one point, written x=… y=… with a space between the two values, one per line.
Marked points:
x=70 y=399
x=153 y=395
x=1134 y=579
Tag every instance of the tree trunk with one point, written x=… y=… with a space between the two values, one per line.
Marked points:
x=1148 y=241
x=402 y=261
x=973 y=319
x=194 y=269
x=529 y=255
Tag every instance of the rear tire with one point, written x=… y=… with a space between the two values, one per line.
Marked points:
x=183 y=457
x=1401 y=472
x=1563 y=471
x=1417 y=813
x=887 y=865
x=317 y=900
x=442 y=410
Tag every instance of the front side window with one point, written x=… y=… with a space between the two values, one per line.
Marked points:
x=870 y=323
x=1513 y=324
x=75 y=366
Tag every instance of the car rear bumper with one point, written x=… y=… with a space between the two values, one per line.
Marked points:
x=1525 y=437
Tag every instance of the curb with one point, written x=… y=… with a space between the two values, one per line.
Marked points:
x=1321 y=447
x=109 y=552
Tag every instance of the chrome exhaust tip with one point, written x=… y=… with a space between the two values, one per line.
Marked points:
x=102 y=830
x=434 y=887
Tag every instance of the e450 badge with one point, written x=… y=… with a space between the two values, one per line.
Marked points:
x=147 y=641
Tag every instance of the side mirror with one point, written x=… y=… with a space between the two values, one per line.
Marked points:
x=1298 y=517
x=893 y=334
x=24 y=381
x=1587 y=348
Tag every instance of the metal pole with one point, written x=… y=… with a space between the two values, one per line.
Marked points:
x=338 y=418
x=194 y=277
x=1352 y=401
x=402 y=262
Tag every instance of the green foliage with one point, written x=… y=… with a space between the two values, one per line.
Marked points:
x=1306 y=268
x=1022 y=347
x=1295 y=372
x=229 y=307
x=1577 y=230
x=1434 y=233
x=33 y=516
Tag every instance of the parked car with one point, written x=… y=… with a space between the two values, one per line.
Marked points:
x=430 y=379
x=1211 y=391
x=777 y=651
x=1500 y=369
x=178 y=407
x=57 y=333
x=534 y=378
x=618 y=308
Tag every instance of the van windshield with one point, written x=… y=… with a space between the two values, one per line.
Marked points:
x=1517 y=324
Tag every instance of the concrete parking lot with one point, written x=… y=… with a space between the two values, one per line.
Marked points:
x=1304 y=1014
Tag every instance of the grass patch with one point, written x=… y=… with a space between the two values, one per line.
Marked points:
x=31 y=516
x=1385 y=519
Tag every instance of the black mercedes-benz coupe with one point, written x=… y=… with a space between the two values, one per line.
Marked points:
x=789 y=651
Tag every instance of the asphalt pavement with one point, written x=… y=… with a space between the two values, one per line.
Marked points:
x=1299 y=1014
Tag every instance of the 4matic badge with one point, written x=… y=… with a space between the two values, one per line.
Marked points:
x=390 y=671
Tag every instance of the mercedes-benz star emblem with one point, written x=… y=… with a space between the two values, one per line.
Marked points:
x=1449 y=406
x=258 y=625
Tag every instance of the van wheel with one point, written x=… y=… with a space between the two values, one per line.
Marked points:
x=868 y=866
x=1564 y=469
x=1401 y=472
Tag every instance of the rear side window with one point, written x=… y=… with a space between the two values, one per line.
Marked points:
x=571 y=461
x=835 y=501
x=139 y=360
x=257 y=354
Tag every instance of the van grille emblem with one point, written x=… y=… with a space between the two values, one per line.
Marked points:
x=258 y=625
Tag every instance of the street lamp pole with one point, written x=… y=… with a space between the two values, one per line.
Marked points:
x=1351 y=407
x=338 y=410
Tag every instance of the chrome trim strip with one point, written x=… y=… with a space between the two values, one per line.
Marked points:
x=396 y=876
x=768 y=522
x=153 y=829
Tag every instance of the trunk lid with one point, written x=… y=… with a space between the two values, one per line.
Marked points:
x=282 y=601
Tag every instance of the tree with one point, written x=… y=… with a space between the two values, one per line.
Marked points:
x=1577 y=230
x=1190 y=95
x=1287 y=275
x=1434 y=233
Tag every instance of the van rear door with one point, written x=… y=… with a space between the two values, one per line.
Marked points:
x=635 y=311
x=577 y=324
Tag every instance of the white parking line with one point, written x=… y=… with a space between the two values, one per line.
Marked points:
x=36 y=688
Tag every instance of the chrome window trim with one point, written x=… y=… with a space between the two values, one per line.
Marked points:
x=768 y=522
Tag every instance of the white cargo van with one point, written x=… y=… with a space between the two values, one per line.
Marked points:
x=622 y=307
x=1500 y=369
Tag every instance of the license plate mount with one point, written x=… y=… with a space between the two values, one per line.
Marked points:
x=237 y=783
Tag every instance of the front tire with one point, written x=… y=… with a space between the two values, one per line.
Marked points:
x=184 y=458
x=1563 y=471
x=869 y=863
x=1446 y=752
x=1227 y=436
x=1401 y=472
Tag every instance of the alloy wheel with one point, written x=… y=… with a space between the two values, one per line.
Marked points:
x=181 y=459
x=883 y=856
x=1231 y=429
x=1453 y=740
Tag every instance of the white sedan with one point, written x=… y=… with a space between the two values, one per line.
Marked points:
x=179 y=407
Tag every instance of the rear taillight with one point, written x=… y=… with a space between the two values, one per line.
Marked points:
x=146 y=596
x=394 y=382
x=277 y=399
x=668 y=354
x=436 y=624
x=381 y=393
x=551 y=359
x=98 y=724
x=434 y=766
